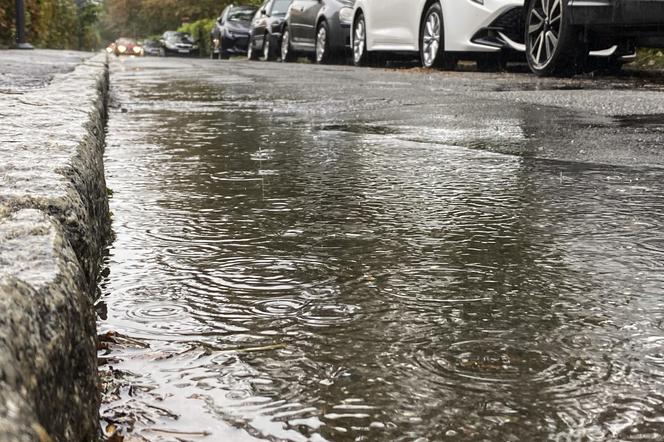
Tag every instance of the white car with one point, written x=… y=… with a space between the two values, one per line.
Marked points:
x=440 y=31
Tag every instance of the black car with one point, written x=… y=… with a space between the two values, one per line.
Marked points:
x=265 y=32
x=178 y=44
x=230 y=35
x=560 y=34
x=152 y=47
x=318 y=28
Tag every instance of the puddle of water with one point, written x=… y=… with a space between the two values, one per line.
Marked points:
x=274 y=281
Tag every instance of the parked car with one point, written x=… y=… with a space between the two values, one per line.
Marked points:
x=560 y=35
x=178 y=44
x=151 y=47
x=230 y=35
x=265 y=31
x=127 y=46
x=439 y=32
x=318 y=28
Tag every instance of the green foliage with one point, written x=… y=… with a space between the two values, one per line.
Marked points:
x=200 y=31
x=649 y=59
x=53 y=23
x=140 y=18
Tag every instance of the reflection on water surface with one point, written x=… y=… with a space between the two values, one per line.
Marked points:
x=274 y=279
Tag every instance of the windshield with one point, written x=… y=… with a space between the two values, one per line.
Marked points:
x=280 y=7
x=241 y=14
x=179 y=38
x=124 y=41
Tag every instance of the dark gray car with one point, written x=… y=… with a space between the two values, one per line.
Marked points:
x=318 y=28
x=265 y=33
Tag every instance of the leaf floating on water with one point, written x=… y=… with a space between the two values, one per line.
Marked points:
x=216 y=349
x=41 y=433
x=180 y=433
x=113 y=434
x=120 y=339
x=254 y=349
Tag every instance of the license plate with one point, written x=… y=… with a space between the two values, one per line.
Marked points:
x=183 y=51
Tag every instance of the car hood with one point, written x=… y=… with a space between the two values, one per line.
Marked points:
x=239 y=26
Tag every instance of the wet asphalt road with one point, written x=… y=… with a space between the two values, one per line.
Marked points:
x=604 y=120
x=310 y=253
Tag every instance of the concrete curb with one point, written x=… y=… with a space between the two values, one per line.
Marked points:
x=53 y=223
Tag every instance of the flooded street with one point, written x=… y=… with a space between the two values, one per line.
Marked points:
x=328 y=253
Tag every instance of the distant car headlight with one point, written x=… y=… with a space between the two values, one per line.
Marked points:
x=346 y=15
x=122 y=49
x=137 y=50
x=109 y=49
x=194 y=46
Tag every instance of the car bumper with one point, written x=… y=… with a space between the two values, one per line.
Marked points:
x=339 y=34
x=468 y=30
x=182 y=52
x=618 y=13
x=236 y=45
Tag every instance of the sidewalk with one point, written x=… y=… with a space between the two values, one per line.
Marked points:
x=21 y=71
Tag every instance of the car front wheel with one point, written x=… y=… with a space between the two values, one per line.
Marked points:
x=267 y=48
x=360 y=54
x=286 y=53
x=322 y=44
x=432 y=47
x=553 y=46
x=251 y=55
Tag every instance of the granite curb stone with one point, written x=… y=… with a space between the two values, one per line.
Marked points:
x=54 y=221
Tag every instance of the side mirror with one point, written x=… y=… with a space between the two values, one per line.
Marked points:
x=263 y=12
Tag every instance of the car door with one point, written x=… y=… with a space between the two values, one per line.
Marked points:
x=302 y=21
x=309 y=16
x=394 y=24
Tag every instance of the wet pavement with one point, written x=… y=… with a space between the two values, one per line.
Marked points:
x=24 y=70
x=331 y=253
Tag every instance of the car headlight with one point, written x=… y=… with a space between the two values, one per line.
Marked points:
x=109 y=49
x=346 y=15
x=122 y=48
x=137 y=50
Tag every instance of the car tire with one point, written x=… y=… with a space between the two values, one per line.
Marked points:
x=251 y=55
x=360 y=53
x=432 y=42
x=553 y=44
x=323 y=55
x=287 y=55
x=266 y=52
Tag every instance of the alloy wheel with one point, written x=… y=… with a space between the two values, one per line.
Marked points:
x=266 y=48
x=431 y=39
x=285 y=42
x=359 y=45
x=321 y=44
x=544 y=30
